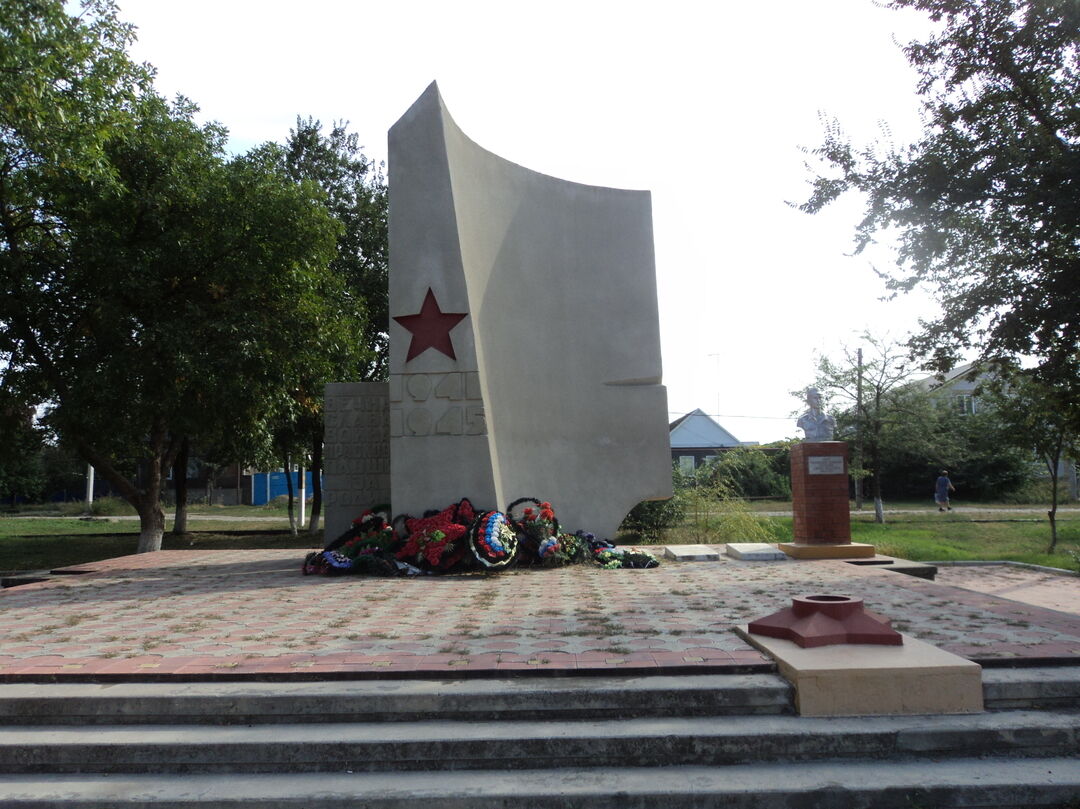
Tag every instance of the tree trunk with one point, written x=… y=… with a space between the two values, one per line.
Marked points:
x=161 y=452
x=316 y=483
x=879 y=509
x=1052 y=463
x=875 y=478
x=151 y=524
x=289 y=488
x=180 y=465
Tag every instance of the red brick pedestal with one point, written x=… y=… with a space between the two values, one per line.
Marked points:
x=819 y=491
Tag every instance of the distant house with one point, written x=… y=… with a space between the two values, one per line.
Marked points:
x=957 y=388
x=697 y=436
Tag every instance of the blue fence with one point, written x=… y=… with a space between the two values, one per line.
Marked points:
x=265 y=486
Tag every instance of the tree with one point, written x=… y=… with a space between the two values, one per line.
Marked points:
x=180 y=302
x=1036 y=416
x=910 y=432
x=986 y=204
x=981 y=464
x=884 y=411
x=22 y=472
x=748 y=472
x=354 y=191
x=65 y=87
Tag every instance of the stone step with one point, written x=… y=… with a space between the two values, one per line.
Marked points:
x=920 y=782
x=1033 y=687
x=516 y=698
x=518 y=744
x=393 y=700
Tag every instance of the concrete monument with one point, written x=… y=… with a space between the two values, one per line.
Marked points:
x=524 y=335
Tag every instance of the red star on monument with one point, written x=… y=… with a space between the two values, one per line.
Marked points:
x=431 y=328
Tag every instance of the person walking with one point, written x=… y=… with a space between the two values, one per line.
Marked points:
x=942 y=487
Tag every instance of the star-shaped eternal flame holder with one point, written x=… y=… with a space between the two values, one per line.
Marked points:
x=823 y=620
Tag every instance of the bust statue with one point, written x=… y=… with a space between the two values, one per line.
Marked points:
x=815 y=422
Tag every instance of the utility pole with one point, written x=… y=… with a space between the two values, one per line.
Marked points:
x=303 y=496
x=858 y=432
x=89 y=488
x=717 y=358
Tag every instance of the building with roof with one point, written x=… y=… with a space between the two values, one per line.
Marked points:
x=697 y=436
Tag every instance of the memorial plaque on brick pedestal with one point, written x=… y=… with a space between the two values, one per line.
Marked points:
x=821 y=519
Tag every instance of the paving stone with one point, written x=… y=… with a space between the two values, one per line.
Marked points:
x=255 y=607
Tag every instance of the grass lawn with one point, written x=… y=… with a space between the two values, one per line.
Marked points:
x=912 y=531
x=49 y=540
x=32 y=551
x=954 y=539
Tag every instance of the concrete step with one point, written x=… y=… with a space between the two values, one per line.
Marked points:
x=964 y=782
x=393 y=700
x=1035 y=687
x=516 y=698
x=522 y=744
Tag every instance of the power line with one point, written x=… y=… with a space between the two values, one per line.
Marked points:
x=734 y=416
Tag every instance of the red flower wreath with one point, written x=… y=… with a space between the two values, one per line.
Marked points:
x=434 y=540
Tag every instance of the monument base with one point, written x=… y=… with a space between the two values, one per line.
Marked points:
x=846 y=550
x=867 y=680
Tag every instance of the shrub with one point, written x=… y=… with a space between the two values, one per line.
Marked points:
x=651 y=517
x=101 y=507
x=749 y=472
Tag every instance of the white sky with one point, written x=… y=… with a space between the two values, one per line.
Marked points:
x=706 y=104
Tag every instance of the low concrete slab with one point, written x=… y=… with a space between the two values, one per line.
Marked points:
x=846 y=550
x=893 y=564
x=692 y=553
x=754 y=552
x=868 y=680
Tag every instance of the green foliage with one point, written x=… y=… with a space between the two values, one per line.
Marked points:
x=101 y=507
x=982 y=465
x=909 y=434
x=652 y=517
x=22 y=471
x=1074 y=555
x=749 y=472
x=882 y=412
x=160 y=292
x=716 y=514
x=66 y=83
x=1038 y=414
x=355 y=193
x=65 y=474
x=985 y=202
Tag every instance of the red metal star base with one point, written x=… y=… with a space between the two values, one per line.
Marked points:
x=825 y=620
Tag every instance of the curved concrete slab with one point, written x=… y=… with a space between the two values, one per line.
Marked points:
x=524 y=342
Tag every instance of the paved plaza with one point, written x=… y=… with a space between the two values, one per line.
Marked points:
x=239 y=614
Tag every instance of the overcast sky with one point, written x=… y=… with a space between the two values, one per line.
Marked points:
x=705 y=104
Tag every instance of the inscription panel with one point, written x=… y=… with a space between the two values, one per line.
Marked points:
x=436 y=404
x=825 y=465
x=356 y=452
